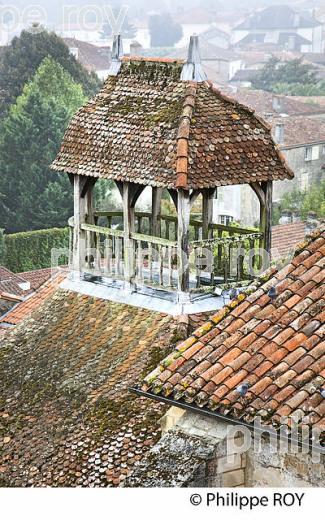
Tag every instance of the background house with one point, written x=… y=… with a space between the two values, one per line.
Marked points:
x=280 y=25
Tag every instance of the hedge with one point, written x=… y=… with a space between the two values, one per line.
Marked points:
x=32 y=249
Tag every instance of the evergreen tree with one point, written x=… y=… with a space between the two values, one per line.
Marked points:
x=21 y=59
x=275 y=72
x=35 y=197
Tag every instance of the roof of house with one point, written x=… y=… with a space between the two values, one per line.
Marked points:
x=276 y=346
x=301 y=131
x=315 y=57
x=284 y=38
x=277 y=17
x=26 y=307
x=38 y=277
x=90 y=56
x=149 y=127
x=11 y=283
x=262 y=102
x=67 y=415
x=285 y=237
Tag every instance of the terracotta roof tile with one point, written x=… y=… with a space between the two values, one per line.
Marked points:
x=65 y=405
x=278 y=347
x=135 y=130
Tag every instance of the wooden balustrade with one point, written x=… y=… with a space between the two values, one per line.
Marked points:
x=219 y=259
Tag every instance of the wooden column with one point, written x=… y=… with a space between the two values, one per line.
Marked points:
x=156 y=212
x=129 y=223
x=207 y=212
x=263 y=191
x=183 y=210
x=78 y=254
x=266 y=215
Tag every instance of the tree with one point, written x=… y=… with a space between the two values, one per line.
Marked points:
x=164 y=32
x=303 y=201
x=290 y=72
x=128 y=30
x=21 y=59
x=34 y=196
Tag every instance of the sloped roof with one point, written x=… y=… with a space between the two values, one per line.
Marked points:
x=149 y=127
x=25 y=308
x=92 y=57
x=66 y=414
x=262 y=102
x=277 y=17
x=285 y=237
x=38 y=277
x=276 y=346
x=10 y=283
x=300 y=131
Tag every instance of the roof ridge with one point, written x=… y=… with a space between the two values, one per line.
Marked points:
x=183 y=135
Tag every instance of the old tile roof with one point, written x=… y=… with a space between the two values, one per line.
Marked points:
x=149 y=127
x=277 y=17
x=90 y=56
x=38 y=277
x=285 y=237
x=275 y=345
x=26 y=307
x=11 y=283
x=301 y=131
x=262 y=102
x=66 y=416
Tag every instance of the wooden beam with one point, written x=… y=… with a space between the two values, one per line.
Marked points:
x=129 y=221
x=174 y=197
x=207 y=212
x=156 y=212
x=184 y=210
x=257 y=188
x=266 y=216
x=88 y=184
x=194 y=195
x=78 y=254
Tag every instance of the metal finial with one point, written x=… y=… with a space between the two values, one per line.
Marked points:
x=117 y=53
x=192 y=69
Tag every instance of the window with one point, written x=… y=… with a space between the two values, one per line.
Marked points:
x=308 y=153
x=225 y=220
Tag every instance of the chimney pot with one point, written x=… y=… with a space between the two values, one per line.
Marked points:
x=279 y=133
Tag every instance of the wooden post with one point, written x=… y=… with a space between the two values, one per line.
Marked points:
x=184 y=209
x=207 y=212
x=266 y=216
x=79 y=203
x=129 y=224
x=156 y=212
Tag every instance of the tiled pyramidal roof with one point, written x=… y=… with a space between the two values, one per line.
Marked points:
x=275 y=345
x=149 y=127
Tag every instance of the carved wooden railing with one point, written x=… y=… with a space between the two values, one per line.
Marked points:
x=154 y=260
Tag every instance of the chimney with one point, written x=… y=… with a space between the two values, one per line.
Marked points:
x=117 y=53
x=277 y=104
x=192 y=69
x=286 y=217
x=136 y=49
x=296 y=216
x=311 y=223
x=279 y=133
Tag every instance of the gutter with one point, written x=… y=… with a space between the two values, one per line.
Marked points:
x=208 y=413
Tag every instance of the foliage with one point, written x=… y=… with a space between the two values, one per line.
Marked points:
x=127 y=30
x=164 y=32
x=2 y=247
x=303 y=201
x=32 y=250
x=293 y=72
x=21 y=59
x=34 y=197
x=298 y=89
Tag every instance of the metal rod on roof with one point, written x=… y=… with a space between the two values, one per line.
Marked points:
x=192 y=69
x=117 y=53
